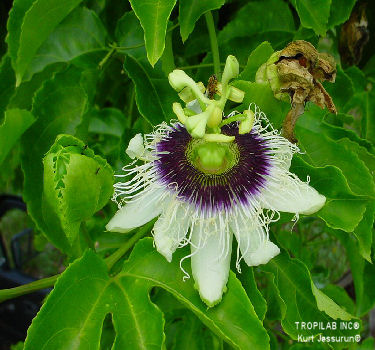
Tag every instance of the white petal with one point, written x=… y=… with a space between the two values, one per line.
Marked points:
x=283 y=192
x=171 y=228
x=209 y=265
x=255 y=247
x=136 y=147
x=137 y=212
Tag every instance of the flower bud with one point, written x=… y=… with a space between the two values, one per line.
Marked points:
x=231 y=69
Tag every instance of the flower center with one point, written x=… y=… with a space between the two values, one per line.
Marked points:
x=212 y=157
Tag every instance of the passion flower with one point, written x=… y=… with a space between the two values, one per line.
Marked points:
x=206 y=186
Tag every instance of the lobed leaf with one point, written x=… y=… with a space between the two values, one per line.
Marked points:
x=85 y=294
x=240 y=326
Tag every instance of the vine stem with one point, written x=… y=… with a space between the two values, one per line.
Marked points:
x=107 y=57
x=213 y=42
x=10 y=293
x=119 y=253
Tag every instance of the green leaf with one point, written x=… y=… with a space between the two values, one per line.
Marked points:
x=233 y=320
x=321 y=151
x=343 y=209
x=153 y=16
x=38 y=23
x=257 y=57
x=73 y=315
x=77 y=183
x=108 y=121
x=259 y=17
x=23 y=96
x=276 y=307
x=302 y=299
x=16 y=122
x=153 y=94
x=190 y=334
x=368 y=344
x=364 y=231
x=7 y=83
x=262 y=95
x=314 y=14
x=191 y=11
x=341 y=91
x=340 y=296
x=248 y=282
x=80 y=38
x=340 y=11
x=129 y=33
x=74 y=312
x=14 y=24
x=362 y=271
x=59 y=106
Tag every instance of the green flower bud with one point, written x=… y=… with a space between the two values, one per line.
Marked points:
x=231 y=69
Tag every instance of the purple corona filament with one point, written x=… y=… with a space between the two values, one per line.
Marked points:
x=213 y=192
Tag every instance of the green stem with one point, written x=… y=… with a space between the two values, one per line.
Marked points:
x=119 y=253
x=173 y=27
x=131 y=106
x=107 y=57
x=11 y=293
x=213 y=42
x=128 y=47
x=203 y=65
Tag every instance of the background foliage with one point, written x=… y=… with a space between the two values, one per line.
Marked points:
x=79 y=78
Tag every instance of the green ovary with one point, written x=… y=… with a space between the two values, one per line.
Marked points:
x=212 y=157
